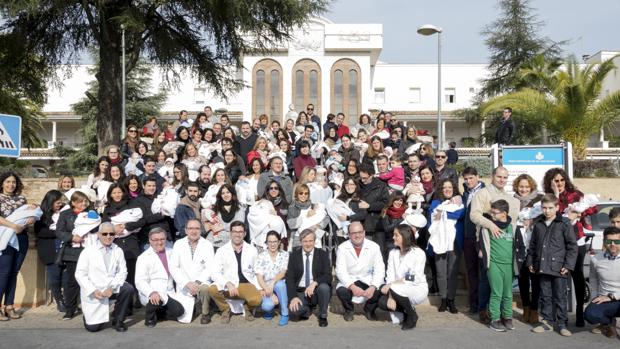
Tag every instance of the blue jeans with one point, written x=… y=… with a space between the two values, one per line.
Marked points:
x=553 y=302
x=603 y=313
x=11 y=261
x=280 y=290
x=484 y=289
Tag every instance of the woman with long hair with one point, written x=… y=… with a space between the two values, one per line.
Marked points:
x=181 y=178
x=391 y=217
x=427 y=155
x=98 y=174
x=270 y=266
x=350 y=195
x=132 y=138
x=66 y=183
x=374 y=150
x=233 y=169
x=132 y=186
x=116 y=174
x=226 y=210
x=260 y=150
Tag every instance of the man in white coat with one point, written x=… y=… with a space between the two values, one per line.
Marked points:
x=360 y=271
x=234 y=276
x=191 y=261
x=101 y=272
x=154 y=281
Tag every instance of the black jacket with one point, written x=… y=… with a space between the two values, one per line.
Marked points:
x=519 y=247
x=505 y=133
x=469 y=228
x=46 y=241
x=128 y=244
x=552 y=248
x=453 y=156
x=447 y=172
x=376 y=194
x=321 y=270
x=389 y=224
x=244 y=145
x=64 y=233
x=149 y=219
x=359 y=214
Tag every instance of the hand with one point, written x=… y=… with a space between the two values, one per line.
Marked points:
x=311 y=212
x=554 y=187
x=310 y=289
x=154 y=298
x=97 y=294
x=295 y=304
x=363 y=204
x=77 y=239
x=495 y=231
x=118 y=229
x=19 y=228
x=531 y=268
x=107 y=292
x=268 y=290
x=216 y=228
x=342 y=217
x=437 y=215
x=563 y=271
x=391 y=304
x=232 y=290
x=601 y=299
x=369 y=292
x=385 y=289
x=30 y=221
x=192 y=287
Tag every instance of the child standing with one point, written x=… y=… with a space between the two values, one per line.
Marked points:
x=501 y=261
x=552 y=255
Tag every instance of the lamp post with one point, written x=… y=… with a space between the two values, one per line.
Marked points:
x=123 y=84
x=427 y=30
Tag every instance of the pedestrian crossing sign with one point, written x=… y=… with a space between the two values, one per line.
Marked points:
x=10 y=135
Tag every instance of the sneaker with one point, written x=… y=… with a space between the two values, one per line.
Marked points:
x=70 y=314
x=283 y=320
x=348 y=316
x=542 y=327
x=598 y=329
x=508 y=324
x=497 y=326
x=565 y=332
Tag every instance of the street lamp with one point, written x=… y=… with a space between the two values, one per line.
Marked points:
x=427 y=30
x=123 y=88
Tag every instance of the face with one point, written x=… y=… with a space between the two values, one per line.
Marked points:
x=411 y=133
x=226 y=195
x=612 y=244
x=245 y=130
x=192 y=193
x=208 y=137
x=132 y=132
x=205 y=174
x=220 y=177
x=142 y=149
x=67 y=183
x=208 y=111
x=346 y=142
x=307 y=243
x=276 y=165
x=183 y=115
x=312 y=176
x=229 y=157
x=158 y=242
x=471 y=181
x=382 y=164
x=500 y=178
x=106 y=236
x=116 y=194
x=422 y=151
x=236 y=235
x=426 y=175
x=362 y=137
x=351 y=167
x=550 y=210
x=273 y=244
x=332 y=132
x=161 y=157
x=192 y=229
x=615 y=221
x=398 y=239
x=357 y=234
x=133 y=185
x=197 y=137
x=380 y=124
x=275 y=127
x=560 y=182
x=447 y=190
x=262 y=144
x=224 y=121
x=498 y=215
x=149 y=167
x=365 y=178
x=226 y=145
x=57 y=205
x=113 y=153
x=303 y=195
x=506 y=113
x=255 y=167
x=284 y=146
x=350 y=186
x=339 y=119
x=290 y=124
x=150 y=188
x=80 y=205
x=178 y=174
x=440 y=158
x=184 y=134
x=274 y=190
x=103 y=166
x=376 y=144
x=115 y=173
x=256 y=124
x=161 y=138
x=310 y=109
x=398 y=203
x=365 y=119
x=304 y=150
x=308 y=132
x=228 y=133
x=523 y=187
x=413 y=162
x=217 y=129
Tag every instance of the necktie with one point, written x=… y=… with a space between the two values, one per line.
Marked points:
x=307 y=271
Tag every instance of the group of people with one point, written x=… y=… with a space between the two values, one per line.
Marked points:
x=204 y=217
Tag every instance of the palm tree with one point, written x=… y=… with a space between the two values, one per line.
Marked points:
x=568 y=101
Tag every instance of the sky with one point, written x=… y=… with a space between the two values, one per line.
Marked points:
x=589 y=26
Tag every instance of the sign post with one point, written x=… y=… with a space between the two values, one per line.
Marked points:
x=10 y=135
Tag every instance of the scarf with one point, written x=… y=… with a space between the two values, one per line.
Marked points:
x=428 y=186
x=133 y=194
x=227 y=216
x=503 y=225
x=394 y=212
x=194 y=205
x=526 y=200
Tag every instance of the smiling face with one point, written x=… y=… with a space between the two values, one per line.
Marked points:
x=116 y=195
x=447 y=190
x=226 y=194
x=191 y=150
x=307 y=243
x=273 y=244
x=67 y=183
x=133 y=185
x=523 y=188
x=106 y=235
x=350 y=186
x=382 y=164
x=158 y=241
x=220 y=177
x=426 y=175
x=115 y=173
x=376 y=144
x=560 y=183
x=500 y=178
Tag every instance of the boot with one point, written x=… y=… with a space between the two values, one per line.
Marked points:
x=534 y=317
x=579 y=317
x=410 y=321
x=452 y=306
x=444 y=305
x=526 y=315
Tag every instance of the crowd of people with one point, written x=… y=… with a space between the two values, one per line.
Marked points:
x=200 y=216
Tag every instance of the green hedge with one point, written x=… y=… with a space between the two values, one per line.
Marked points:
x=483 y=165
x=596 y=168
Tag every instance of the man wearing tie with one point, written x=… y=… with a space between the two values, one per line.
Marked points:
x=308 y=280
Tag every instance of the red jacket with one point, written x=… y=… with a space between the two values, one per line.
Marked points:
x=343 y=130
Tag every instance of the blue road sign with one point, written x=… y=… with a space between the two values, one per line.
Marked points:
x=10 y=135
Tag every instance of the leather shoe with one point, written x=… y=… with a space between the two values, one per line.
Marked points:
x=120 y=326
x=205 y=319
x=348 y=316
x=370 y=315
x=150 y=323
x=322 y=322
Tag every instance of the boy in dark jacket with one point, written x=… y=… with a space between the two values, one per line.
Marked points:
x=552 y=255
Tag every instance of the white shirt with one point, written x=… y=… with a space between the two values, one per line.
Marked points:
x=302 y=283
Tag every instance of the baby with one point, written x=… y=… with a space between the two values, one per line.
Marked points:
x=395 y=176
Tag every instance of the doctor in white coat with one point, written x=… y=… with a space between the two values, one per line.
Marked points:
x=360 y=271
x=154 y=281
x=228 y=283
x=101 y=274
x=405 y=280
x=191 y=262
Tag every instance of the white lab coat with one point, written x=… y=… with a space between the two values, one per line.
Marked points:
x=92 y=275
x=367 y=268
x=151 y=276
x=413 y=263
x=225 y=266
x=185 y=269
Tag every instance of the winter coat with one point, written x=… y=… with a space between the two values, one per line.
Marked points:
x=376 y=194
x=552 y=247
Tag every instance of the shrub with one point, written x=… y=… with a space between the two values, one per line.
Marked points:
x=483 y=165
x=596 y=168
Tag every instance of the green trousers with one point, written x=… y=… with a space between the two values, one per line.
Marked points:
x=500 y=280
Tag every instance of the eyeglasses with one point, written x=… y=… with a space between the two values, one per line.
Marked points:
x=158 y=240
x=304 y=193
x=274 y=188
x=559 y=180
x=273 y=242
x=133 y=130
x=355 y=232
x=610 y=241
x=310 y=109
x=107 y=234
x=440 y=156
x=237 y=231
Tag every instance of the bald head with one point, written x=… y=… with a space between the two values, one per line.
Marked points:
x=357 y=234
x=500 y=177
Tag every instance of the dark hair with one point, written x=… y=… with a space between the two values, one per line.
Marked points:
x=355 y=196
x=273 y=233
x=303 y=144
x=219 y=202
x=208 y=131
x=549 y=199
x=237 y=224
x=108 y=176
x=184 y=174
x=550 y=174
x=231 y=131
x=439 y=189
x=251 y=163
x=331 y=116
x=469 y=170
x=397 y=195
x=178 y=134
x=246 y=123
x=112 y=187
x=99 y=161
x=610 y=231
x=19 y=186
x=452 y=145
x=408 y=237
x=149 y=158
x=309 y=127
x=281 y=193
x=146 y=146
x=614 y=212
x=509 y=109
x=192 y=184
x=501 y=205
x=234 y=162
x=128 y=179
x=426 y=167
x=47 y=205
x=150 y=178
x=367 y=168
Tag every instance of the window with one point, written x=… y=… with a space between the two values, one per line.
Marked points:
x=415 y=95
x=450 y=95
x=267 y=89
x=346 y=89
x=380 y=95
x=199 y=95
x=307 y=85
x=472 y=90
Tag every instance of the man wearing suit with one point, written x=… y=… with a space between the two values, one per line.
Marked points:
x=308 y=279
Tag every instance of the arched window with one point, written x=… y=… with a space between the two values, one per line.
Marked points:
x=267 y=89
x=346 y=89
x=307 y=85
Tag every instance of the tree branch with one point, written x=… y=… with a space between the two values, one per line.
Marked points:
x=91 y=21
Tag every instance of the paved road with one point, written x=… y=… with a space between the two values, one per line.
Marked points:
x=42 y=328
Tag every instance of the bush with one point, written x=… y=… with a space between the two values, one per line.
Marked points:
x=468 y=142
x=483 y=165
x=596 y=168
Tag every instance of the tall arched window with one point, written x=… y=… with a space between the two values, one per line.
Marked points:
x=307 y=85
x=346 y=89
x=267 y=89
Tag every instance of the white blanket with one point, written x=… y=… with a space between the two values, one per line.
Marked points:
x=335 y=208
x=320 y=194
x=443 y=231
x=131 y=215
x=8 y=237
x=84 y=223
x=166 y=202
x=262 y=219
